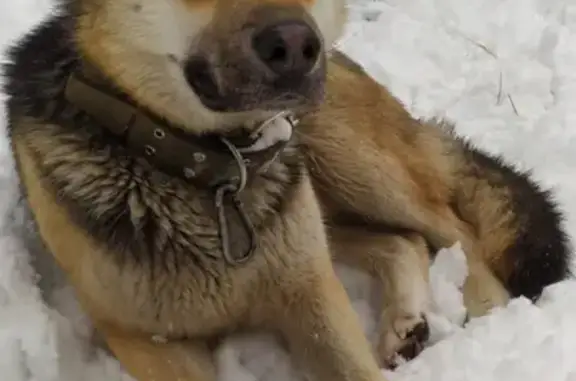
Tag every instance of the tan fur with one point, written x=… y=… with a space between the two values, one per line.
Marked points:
x=404 y=176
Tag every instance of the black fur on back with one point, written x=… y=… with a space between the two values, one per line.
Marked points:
x=540 y=254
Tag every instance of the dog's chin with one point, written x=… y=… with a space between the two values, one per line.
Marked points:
x=256 y=94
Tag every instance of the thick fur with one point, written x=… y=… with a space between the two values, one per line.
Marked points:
x=419 y=175
x=133 y=241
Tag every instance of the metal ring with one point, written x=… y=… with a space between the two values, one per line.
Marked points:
x=149 y=150
x=159 y=133
x=189 y=173
x=199 y=157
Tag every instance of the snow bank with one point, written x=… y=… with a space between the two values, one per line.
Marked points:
x=503 y=70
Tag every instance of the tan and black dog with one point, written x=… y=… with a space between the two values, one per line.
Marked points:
x=153 y=140
x=139 y=129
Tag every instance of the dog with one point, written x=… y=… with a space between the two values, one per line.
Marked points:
x=154 y=145
x=165 y=178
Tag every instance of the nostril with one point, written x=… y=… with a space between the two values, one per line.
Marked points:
x=311 y=49
x=279 y=53
x=287 y=48
x=270 y=47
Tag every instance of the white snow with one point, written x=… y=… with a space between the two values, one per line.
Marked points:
x=504 y=70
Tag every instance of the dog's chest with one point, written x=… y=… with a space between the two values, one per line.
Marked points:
x=135 y=243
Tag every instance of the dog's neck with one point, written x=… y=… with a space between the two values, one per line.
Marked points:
x=223 y=165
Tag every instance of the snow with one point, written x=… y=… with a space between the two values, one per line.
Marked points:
x=502 y=69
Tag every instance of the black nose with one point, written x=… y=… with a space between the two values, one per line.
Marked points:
x=288 y=48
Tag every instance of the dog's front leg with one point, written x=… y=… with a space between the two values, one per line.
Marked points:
x=400 y=262
x=322 y=330
x=306 y=303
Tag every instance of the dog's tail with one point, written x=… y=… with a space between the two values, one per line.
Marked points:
x=517 y=221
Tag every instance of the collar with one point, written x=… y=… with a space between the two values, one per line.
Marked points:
x=207 y=161
x=224 y=165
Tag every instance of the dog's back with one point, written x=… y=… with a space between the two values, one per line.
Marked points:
x=371 y=158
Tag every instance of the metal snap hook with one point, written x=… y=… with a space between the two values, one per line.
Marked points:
x=241 y=164
x=221 y=192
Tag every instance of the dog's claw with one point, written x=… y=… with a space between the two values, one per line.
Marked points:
x=403 y=340
x=415 y=340
x=421 y=331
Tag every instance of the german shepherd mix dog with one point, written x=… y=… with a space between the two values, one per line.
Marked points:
x=154 y=143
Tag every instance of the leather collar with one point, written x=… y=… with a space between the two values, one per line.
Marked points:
x=217 y=163
x=206 y=161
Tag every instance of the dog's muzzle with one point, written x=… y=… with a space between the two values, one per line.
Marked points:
x=274 y=60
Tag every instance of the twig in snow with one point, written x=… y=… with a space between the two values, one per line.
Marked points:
x=500 y=89
x=513 y=105
x=478 y=44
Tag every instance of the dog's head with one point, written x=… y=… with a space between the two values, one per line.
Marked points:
x=210 y=65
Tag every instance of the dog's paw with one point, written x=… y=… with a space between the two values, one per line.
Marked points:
x=402 y=337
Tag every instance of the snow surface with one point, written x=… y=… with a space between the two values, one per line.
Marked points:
x=504 y=70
